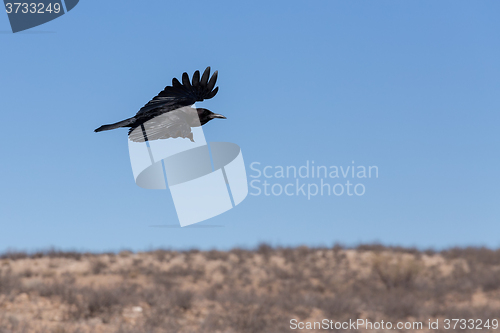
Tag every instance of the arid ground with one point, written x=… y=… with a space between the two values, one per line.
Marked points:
x=249 y=291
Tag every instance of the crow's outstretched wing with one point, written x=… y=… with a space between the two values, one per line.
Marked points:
x=178 y=95
x=174 y=124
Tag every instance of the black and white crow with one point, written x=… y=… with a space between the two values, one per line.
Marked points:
x=170 y=114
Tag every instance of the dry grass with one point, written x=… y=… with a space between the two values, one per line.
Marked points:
x=243 y=291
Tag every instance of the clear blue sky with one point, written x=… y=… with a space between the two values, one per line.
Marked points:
x=409 y=86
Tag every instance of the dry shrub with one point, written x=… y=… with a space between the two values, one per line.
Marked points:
x=97 y=266
x=247 y=312
x=8 y=282
x=242 y=254
x=101 y=302
x=378 y=248
x=216 y=255
x=474 y=255
x=396 y=271
x=398 y=304
x=340 y=305
x=166 y=306
x=14 y=255
x=489 y=280
x=125 y=253
x=161 y=255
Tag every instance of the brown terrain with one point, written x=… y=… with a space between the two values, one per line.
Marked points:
x=248 y=291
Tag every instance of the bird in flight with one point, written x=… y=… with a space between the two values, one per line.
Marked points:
x=170 y=114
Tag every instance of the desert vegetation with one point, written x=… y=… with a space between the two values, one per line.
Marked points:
x=245 y=291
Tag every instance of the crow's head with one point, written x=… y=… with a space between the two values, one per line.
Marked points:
x=207 y=115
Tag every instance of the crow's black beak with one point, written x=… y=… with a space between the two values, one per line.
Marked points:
x=216 y=115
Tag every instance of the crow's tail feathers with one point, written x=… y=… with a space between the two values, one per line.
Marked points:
x=123 y=123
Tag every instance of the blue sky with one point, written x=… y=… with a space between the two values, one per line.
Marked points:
x=410 y=87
